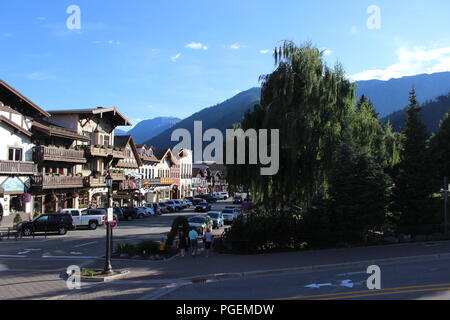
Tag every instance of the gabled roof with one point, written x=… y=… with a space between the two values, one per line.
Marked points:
x=16 y=127
x=160 y=154
x=114 y=113
x=123 y=141
x=16 y=100
x=50 y=129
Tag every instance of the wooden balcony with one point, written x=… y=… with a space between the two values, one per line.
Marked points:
x=17 y=167
x=94 y=182
x=56 y=182
x=118 y=176
x=104 y=152
x=60 y=154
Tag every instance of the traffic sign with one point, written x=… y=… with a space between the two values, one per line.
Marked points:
x=115 y=223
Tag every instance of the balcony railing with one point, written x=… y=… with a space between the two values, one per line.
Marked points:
x=98 y=151
x=16 y=167
x=56 y=182
x=94 y=182
x=118 y=176
x=44 y=153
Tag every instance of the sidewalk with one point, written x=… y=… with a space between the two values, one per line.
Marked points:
x=151 y=277
x=238 y=265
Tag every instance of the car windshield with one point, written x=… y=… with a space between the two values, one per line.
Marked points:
x=197 y=220
x=214 y=215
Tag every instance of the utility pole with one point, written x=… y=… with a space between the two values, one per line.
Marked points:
x=446 y=192
x=108 y=267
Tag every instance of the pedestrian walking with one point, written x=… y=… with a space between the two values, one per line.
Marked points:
x=1 y=213
x=183 y=243
x=208 y=239
x=193 y=239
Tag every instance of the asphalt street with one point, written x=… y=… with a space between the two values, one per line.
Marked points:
x=404 y=281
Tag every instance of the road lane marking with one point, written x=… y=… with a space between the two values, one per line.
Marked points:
x=70 y=257
x=364 y=291
x=3 y=268
x=85 y=244
x=12 y=256
x=386 y=293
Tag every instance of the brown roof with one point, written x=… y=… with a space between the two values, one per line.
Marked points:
x=122 y=141
x=50 y=129
x=18 y=101
x=121 y=119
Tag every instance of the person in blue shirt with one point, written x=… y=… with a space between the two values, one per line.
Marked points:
x=193 y=239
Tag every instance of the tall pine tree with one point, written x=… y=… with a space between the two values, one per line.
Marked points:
x=412 y=191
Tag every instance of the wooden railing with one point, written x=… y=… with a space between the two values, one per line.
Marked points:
x=118 y=176
x=94 y=182
x=16 y=167
x=56 y=182
x=44 y=153
x=104 y=152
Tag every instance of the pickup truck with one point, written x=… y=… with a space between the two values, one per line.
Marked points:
x=91 y=218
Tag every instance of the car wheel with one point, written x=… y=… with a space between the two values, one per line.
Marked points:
x=93 y=225
x=27 y=232
x=129 y=218
x=141 y=216
x=62 y=231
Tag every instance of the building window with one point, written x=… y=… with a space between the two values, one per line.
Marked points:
x=15 y=154
x=106 y=140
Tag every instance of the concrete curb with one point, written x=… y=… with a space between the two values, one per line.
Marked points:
x=223 y=276
x=118 y=276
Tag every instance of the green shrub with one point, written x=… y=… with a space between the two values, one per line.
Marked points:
x=127 y=248
x=149 y=247
x=17 y=219
x=36 y=214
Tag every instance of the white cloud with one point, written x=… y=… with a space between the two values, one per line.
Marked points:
x=327 y=52
x=196 y=46
x=236 y=46
x=410 y=62
x=38 y=76
x=264 y=51
x=237 y=91
x=175 y=57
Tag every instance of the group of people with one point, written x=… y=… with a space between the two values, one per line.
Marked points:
x=189 y=240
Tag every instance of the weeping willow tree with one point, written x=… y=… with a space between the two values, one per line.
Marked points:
x=309 y=103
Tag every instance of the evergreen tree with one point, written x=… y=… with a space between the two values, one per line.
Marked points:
x=359 y=192
x=413 y=189
x=440 y=152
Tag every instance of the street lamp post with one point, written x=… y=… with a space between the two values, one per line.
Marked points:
x=108 y=267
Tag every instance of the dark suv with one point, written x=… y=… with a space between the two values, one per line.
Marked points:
x=60 y=223
x=129 y=213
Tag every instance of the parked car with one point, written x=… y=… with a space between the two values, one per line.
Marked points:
x=196 y=201
x=221 y=195
x=173 y=206
x=217 y=219
x=91 y=218
x=164 y=208
x=208 y=197
x=201 y=223
x=203 y=207
x=118 y=212
x=56 y=222
x=143 y=212
x=181 y=204
x=155 y=206
x=188 y=203
x=237 y=200
x=129 y=213
x=229 y=215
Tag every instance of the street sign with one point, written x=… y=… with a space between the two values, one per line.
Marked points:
x=114 y=223
x=110 y=217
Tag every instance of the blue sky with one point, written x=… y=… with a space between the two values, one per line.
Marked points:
x=174 y=57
